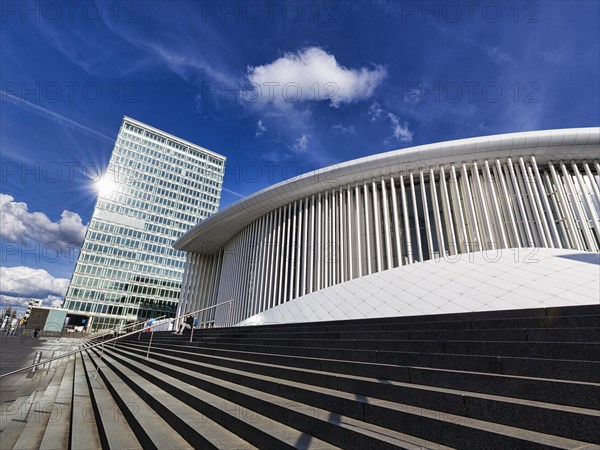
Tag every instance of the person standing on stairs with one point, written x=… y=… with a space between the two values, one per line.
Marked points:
x=188 y=323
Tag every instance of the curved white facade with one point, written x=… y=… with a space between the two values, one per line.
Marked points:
x=534 y=189
x=502 y=279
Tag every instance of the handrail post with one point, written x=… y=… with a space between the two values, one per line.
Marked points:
x=98 y=365
x=150 y=343
x=118 y=328
x=229 y=314
x=192 y=330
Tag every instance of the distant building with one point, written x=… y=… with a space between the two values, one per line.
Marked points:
x=32 y=303
x=156 y=187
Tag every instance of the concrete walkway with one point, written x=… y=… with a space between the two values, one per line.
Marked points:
x=19 y=351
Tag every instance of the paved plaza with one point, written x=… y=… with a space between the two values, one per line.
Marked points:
x=19 y=351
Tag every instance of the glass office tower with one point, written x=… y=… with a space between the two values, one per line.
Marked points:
x=156 y=187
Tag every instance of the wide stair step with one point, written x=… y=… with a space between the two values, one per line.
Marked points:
x=563 y=392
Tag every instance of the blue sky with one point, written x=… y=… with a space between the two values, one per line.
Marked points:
x=278 y=88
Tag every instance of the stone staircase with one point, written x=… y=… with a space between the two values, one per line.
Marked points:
x=508 y=379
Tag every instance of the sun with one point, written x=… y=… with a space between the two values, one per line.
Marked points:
x=105 y=185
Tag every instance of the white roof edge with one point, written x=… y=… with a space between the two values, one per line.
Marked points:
x=174 y=138
x=463 y=149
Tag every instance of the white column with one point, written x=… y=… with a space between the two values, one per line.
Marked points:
x=311 y=280
x=453 y=244
x=533 y=224
x=349 y=236
x=241 y=287
x=276 y=297
x=319 y=245
x=232 y=248
x=218 y=269
x=184 y=292
x=471 y=214
x=367 y=228
x=532 y=203
x=358 y=236
x=240 y=262
x=386 y=225
x=426 y=215
x=486 y=215
x=494 y=197
x=458 y=204
x=334 y=253
x=294 y=264
x=436 y=214
x=397 y=238
x=334 y=242
x=326 y=242
x=270 y=273
x=286 y=273
x=416 y=216
x=514 y=205
x=342 y=239
x=507 y=203
x=409 y=251
x=377 y=225
x=262 y=264
x=540 y=208
x=519 y=198
x=252 y=270
x=238 y=267
x=543 y=195
x=305 y=264
x=563 y=232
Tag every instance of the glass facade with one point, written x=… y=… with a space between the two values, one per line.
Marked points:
x=156 y=187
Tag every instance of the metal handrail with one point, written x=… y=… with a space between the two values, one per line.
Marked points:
x=113 y=339
x=98 y=334
x=102 y=333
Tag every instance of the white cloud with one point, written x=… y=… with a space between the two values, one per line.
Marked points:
x=375 y=111
x=414 y=95
x=17 y=224
x=400 y=129
x=54 y=301
x=260 y=129
x=31 y=283
x=237 y=194
x=498 y=55
x=312 y=74
x=301 y=144
x=341 y=129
